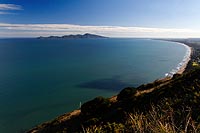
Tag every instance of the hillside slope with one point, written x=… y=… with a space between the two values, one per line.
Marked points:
x=170 y=105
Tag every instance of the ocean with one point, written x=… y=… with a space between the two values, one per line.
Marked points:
x=44 y=78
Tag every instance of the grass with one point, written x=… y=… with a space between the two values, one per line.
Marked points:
x=154 y=121
x=195 y=64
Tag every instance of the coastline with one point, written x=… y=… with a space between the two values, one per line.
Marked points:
x=75 y=114
x=181 y=67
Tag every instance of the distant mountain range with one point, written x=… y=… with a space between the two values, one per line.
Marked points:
x=87 y=35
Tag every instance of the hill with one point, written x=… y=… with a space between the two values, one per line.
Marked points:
x=78 y=36
x=168 y=105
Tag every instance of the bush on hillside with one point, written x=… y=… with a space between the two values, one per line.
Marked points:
x=126 y=94
x=95 y=107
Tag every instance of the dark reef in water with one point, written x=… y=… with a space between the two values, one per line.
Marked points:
x=78 y=36
x=105 y=84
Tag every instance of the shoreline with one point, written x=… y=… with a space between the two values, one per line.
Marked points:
x=186 y=59
x=181 y=67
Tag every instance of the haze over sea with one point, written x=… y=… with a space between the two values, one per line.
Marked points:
x=43 y=78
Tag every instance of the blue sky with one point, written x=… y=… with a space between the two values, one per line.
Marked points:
x=115 y=18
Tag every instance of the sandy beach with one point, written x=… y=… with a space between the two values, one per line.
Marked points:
x=182 y=69
x=183 y=64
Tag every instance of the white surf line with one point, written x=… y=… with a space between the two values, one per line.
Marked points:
x=183 y=64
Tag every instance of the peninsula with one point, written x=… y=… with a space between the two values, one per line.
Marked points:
x=78 y=36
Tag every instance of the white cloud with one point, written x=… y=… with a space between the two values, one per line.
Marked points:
x=5 y=7
x=32 y=30
x=10 y=7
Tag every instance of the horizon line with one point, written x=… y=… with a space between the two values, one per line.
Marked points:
x=35 y=30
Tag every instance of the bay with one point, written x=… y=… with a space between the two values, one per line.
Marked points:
x=43 y=78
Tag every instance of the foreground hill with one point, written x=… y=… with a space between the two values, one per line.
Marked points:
x=168 y=105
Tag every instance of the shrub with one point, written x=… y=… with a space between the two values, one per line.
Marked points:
x=95 y=107
x=126 y=94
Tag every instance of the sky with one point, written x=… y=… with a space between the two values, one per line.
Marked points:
x=113 y=18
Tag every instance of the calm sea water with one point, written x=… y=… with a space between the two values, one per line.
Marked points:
x=41 y=79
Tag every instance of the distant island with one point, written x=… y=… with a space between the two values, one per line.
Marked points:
x=78 y=36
